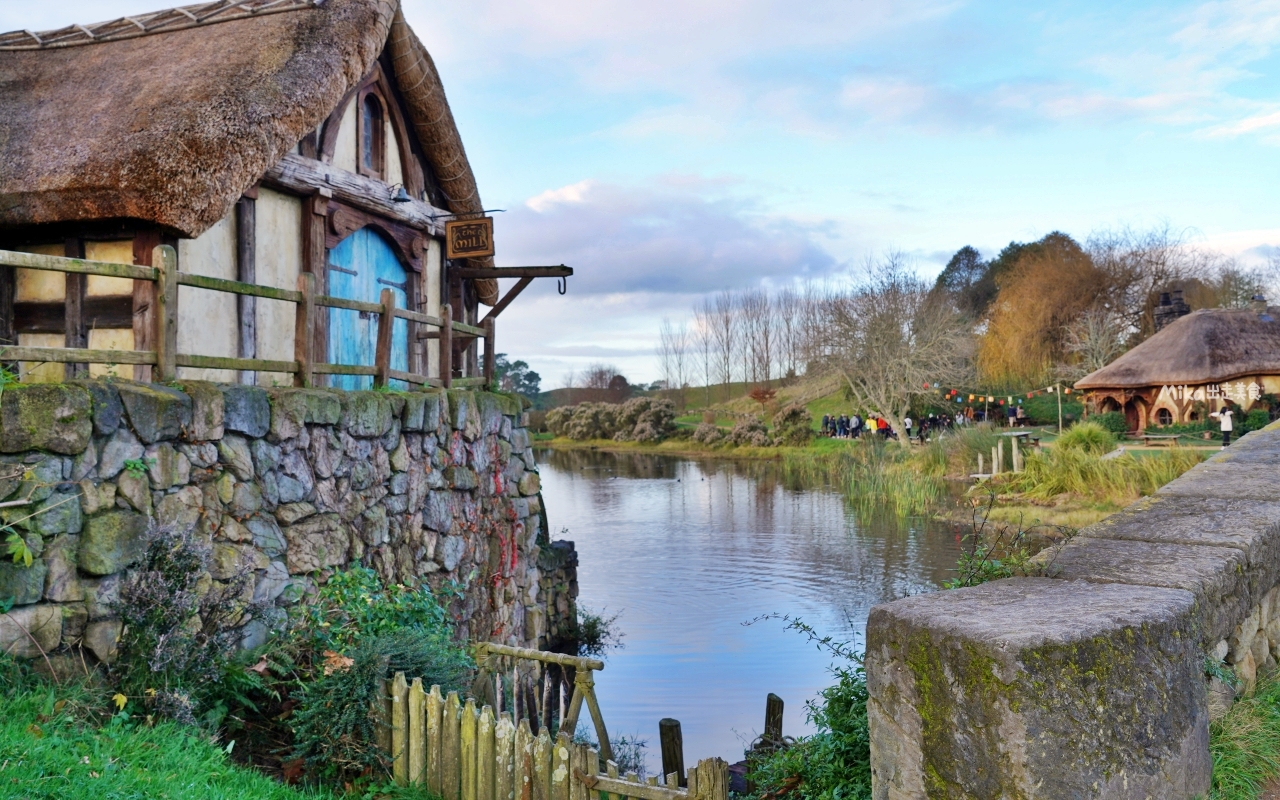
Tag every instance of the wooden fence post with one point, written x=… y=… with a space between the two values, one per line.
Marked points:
x=504 y=735
x=435 y=721
x=467 y=750
x=382 y=357
x=417 y=730
x=400 y=729
x=773 y=719
x=485 y=763
x=490 y=356
x=450 y=750
x=560 y=766
x=446 y=345
x=304 y=323
x=166 y=318
x=672 y=741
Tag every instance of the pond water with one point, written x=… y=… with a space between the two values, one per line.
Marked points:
x=689 y=551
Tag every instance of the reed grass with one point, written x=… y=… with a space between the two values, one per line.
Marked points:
x=875 y=475
x=1245 y=744
x=1075 y=471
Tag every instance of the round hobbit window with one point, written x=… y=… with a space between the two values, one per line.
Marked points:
x=1164 y=416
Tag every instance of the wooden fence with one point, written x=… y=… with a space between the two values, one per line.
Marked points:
x=165 y=358
x=460 y=752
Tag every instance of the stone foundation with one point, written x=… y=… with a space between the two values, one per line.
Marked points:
x=288 y=484
x=1091 y=682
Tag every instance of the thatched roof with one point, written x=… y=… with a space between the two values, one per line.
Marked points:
x=1206 y=346
x=168 y=118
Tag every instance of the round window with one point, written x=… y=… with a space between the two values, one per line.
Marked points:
x=1164 y=416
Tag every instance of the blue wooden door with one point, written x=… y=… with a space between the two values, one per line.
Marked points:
x=360 y=267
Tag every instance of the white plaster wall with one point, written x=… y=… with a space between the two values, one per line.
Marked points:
x=395 y=167
x=111 y=339
x=119 y=251
x=431 y=291
x=38 y=285
x=278 y=258
x=344 y=148
x=207 y=321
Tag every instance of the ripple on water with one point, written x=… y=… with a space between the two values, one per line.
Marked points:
x=687 y=551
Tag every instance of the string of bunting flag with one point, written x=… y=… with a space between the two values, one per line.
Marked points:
x=974 y=396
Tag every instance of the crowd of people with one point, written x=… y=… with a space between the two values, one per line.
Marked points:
x=841 y=426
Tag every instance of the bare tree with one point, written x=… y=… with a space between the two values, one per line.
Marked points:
x=666 y=351
x=1096 y=338
x=703 y=343
x=673 y=355
x=726 y=335
x=758 y=334
x=786 y=304
x=891 y=338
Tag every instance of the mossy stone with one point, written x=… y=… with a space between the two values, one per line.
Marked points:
x=246 y=410
x=107 y=408
x=208 y=411
x=156 y=412
x=25 y=585
x=112 y=541
x=366 y=414
x=50 y=416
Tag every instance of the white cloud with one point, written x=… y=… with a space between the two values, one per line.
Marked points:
x=574 y=193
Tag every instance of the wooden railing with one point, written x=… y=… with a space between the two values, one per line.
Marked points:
x=165 y=358
x=460 y=752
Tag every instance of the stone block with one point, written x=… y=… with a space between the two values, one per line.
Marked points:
x=111 y=541
x=135 y=488
x=266 y=456
x=23 y=584
x=246 y=409
x=451 y=551
x=121 y=447
x=54 y=417
x=208 y=411
x=1038 y=688
x=245 y=500
x=101 y=595
x=491 y=408
x=155 y=412
x=1217 y=576
x=292 y=512
x=102 y=638
x=316 y=543
x=366 y=415
x=414 y=414
x=399 y=457
x=226 y=561
x=86 y=464
x=61 y=582
x=291 y=409
x=27 y=631
x=272 y=584
x=107 y=408
x=161 y=465
x=266 y=535
x=234 y=451
x=461 y=478
x=530 y=484
x=233 y=531
x=74 y=619
x=182 y=509
x=57 y=513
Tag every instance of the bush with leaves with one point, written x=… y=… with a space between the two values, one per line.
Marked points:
x=641 y=419
x=180 y=629
x=706 y=433
x=1113 y=421
x=793 y=425
x=750 y=433
x=1089 y=437
x=596 y=634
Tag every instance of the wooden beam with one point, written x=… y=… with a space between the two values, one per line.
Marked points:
x=143 y=301
x=8 y=288
x=75 y=332
x=77 y=265
x=516 y=272
x=247 y=272
x=305 y=176
x=506 y=299
x=446 y=345
x=315 y=260
x=304 y=330
x=66 y=355
x=97 y=312
x=386 y=322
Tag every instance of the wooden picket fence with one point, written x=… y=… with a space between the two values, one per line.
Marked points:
x=460 y=752
x=165 y=358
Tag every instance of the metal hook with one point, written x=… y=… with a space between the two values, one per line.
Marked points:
x=562 y=285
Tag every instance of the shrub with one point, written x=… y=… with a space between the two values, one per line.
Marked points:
x=1113 y=421
x=1256 y=419
x=595 y=633
x=707 y=433
x=557 y=420
x=180 y=628
x=592 y=421
x=793 y=425
x=1089 y=437
x=641 y=419
x=749 y=433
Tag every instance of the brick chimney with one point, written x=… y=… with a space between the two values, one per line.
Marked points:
x=1171 y=307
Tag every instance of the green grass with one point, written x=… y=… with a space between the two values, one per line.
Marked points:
x=1063 y=470
x=1245 y=744
x=47 y=751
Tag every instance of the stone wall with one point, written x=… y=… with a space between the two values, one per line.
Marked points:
x=289 y=484
x=1090 y=682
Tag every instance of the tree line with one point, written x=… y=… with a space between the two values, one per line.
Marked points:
x=1038 y=312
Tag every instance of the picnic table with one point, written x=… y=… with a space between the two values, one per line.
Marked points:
x=1035 y=440
x=1149 y=439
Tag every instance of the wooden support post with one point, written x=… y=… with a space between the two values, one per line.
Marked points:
x=1000 y=455
x=247 y=272
x=446 y=346
x=315 y=259
x=490 y=357
x=382 y=356
x=304 y=321
x=773 y=718
x=1017 y=456
x=76 y=333
x=166 y=314
x=672 y=741
x=144 y=325
x=593 y=706
x=8 y=333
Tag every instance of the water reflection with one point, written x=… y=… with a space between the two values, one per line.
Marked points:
x=689 y=550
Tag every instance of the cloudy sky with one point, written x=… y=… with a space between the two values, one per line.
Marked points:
x=668 y=149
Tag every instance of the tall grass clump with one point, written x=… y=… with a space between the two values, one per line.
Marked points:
x=1087 y=436
x=1245 y=744
x=1076 y=471
x=875 y=475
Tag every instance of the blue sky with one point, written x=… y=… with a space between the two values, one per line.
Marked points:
x=667 y=149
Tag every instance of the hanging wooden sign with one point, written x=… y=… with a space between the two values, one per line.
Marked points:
x=468 y=238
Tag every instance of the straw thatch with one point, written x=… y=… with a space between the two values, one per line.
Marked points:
x=171 y=127
x=1206 y=346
